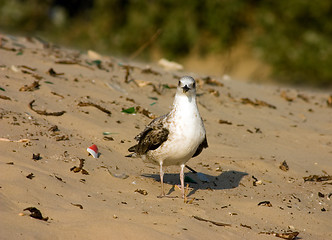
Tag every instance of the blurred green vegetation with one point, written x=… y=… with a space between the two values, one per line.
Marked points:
x=293 y=37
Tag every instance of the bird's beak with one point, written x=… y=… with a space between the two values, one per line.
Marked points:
x=185 y=89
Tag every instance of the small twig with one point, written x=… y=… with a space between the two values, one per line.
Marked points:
x=40 y=112
x=86 y=104
x=146 y=44
x=213 y=222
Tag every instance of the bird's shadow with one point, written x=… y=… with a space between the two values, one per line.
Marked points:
x=226 y=180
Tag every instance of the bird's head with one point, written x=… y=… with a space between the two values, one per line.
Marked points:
x=186 y=85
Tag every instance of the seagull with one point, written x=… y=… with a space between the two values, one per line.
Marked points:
x=175 y=137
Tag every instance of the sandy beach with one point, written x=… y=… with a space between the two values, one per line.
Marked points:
x=266 y=144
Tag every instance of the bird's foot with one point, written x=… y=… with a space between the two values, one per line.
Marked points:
x=166 y=196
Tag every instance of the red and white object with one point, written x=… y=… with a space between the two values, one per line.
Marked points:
x=93 y=150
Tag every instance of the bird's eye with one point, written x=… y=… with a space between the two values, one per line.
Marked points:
x=194 y=85
x=179 y=83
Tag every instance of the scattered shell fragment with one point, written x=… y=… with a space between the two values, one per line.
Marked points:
x=94 y=55
x=169 y=65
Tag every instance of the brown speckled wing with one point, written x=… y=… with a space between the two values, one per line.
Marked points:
x=204 y=144
x=151 y=138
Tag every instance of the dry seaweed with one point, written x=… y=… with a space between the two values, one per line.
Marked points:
x=211 y=81
x=87 y=104
x=142 y=191
x=54 y=73
x=77 y=205
x=43 y=112
x=5 y=97
x=128 y=69
x=265 y=203
x=30 y=176
x=224 y=122
x=106 y=138
x=256 y=181
x=36 y=157
x=80 y=168
x=62 y=138
x=57 y=94
x=284 y=166
x=303 y=97
x=145 y=112
x=59 y=178
x=257 y=103
x=317 y=178
x=54 y=128
x=214 y=92
x=213 y=222
x=29 y=68
x=246 y=226
x=142 y=83
x=148 y=70
x=67 y=61
x=34 y=86
x=35 y=213
x=286 y=235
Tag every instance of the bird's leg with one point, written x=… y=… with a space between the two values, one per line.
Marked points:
x=162 y=180
x=162 y=183
x=182 y=179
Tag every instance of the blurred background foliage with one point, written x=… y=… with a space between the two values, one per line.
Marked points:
x=294 y=38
